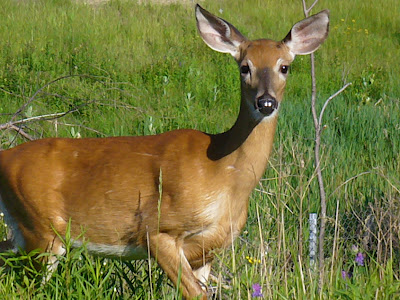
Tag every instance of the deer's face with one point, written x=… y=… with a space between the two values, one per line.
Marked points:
x=264 y=67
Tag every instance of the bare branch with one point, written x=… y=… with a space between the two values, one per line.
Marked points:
x=31 y=99
x=307 y=10
x=21 y=132
x=15 y=124
x=38 y=118
x=327 y=102
x=11 y=93
x=312 y=6
x=348 y=180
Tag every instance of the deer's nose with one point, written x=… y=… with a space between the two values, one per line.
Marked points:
x=266 y=104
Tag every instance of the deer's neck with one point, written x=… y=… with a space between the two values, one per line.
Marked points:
x=247 y=145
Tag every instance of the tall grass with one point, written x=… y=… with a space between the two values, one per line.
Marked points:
x=146 y=71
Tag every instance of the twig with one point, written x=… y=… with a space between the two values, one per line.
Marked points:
x=307 y=10
x=327 y=102
x=397 y=189
x=21 y=132
x=36 y=118
x=31 y=99
x=11 y=93
x=348 y=180
x=318 y=129
x=14 y=122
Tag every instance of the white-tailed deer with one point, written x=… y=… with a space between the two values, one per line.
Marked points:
x=110 y=187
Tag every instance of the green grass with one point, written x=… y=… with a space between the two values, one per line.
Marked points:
x=146 y=71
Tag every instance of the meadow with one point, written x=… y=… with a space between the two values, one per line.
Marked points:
x=69 y=69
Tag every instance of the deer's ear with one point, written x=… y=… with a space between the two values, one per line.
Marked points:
x=217 y=33
x=307 y=35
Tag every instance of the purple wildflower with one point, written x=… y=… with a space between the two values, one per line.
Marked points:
x=346 y=275
x=256 y=291
x=359 y=259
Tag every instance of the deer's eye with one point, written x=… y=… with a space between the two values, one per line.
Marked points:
x=244 y=70
x=284 y=69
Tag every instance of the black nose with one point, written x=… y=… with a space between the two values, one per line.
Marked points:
x=266 y=104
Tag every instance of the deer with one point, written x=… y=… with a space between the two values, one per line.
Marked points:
x=179 y=195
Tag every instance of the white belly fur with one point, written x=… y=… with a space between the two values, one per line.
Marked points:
x=114 y=251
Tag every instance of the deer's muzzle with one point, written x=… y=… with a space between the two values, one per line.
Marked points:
x=266 y=104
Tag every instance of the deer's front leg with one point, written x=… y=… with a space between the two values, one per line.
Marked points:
x=170 y=256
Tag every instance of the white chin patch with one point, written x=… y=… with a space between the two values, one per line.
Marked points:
x=273 y=115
